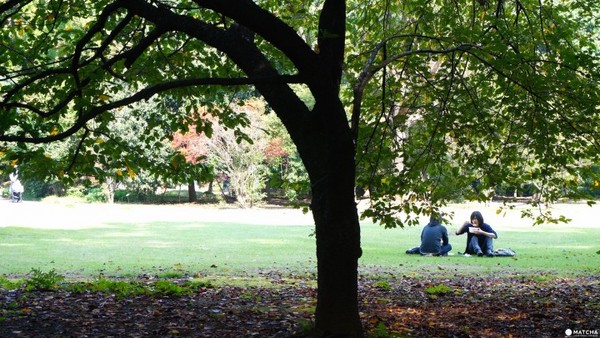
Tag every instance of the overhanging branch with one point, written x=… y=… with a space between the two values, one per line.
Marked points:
x=370 y=70
x=145 y=94
x=265 y=24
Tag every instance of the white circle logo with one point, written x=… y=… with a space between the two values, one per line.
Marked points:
x=568 y=332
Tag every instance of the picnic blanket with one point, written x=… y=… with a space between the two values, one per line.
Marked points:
x=504 y=252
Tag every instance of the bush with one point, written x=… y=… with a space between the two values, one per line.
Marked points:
x=8 y=284
x=76 y=191
x=130 y=196
x=121 y=289
x=95 y=194
x=43 y=281
x=37 y=189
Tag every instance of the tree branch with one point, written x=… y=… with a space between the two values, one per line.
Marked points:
x=265 y=24
x=243 y=52
x=331 y=38
x=86 y=132
x=143 y=94
x=10 y=6
x=96 y=28
x=369 y=71
x=57 y=108
x=134 y=53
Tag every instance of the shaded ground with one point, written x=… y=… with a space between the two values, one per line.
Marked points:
x=414 y=307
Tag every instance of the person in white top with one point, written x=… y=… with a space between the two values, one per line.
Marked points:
x=16 y=188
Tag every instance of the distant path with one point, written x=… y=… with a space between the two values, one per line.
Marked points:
x=80 y=215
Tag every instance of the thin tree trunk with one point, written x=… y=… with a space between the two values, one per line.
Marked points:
x=192 y=192
x=109 y=190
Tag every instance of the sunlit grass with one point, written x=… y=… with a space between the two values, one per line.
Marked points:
x=558 y=249
x=131 y=249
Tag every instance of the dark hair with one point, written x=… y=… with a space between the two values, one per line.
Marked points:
x=478 y=216
x=434 y=219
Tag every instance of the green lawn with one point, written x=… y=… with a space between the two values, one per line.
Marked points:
x=549 y=249
x=133 y=249
x=236 y=248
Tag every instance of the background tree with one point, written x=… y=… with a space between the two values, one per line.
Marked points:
x=287 y=176
x=194 y=147
x=239 y=153
x=494 y=86
x=132 y=156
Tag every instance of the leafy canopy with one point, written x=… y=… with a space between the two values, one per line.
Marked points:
x=464 y=96
x=442 y=95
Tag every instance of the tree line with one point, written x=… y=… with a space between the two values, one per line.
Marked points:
x=264 y=166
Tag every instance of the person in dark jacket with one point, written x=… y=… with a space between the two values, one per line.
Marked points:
x=434 y=239
x=480 y=236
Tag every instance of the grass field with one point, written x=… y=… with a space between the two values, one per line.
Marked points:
x=126 y=240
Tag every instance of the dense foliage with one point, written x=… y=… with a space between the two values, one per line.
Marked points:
x=472 y=100
x=448 y=101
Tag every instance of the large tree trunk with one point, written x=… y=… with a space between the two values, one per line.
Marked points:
x=338 y=250
x=330 y=164
x=325 y=142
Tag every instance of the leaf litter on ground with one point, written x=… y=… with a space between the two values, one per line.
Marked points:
x=465 y=306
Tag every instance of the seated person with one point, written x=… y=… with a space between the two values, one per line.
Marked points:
x=480 y=236
x=434 y=239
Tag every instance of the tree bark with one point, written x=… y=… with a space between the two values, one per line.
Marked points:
x=338 y=250
x=330 y=164
x=192 y=191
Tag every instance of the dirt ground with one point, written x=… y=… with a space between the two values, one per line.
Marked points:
x=392 y=307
